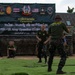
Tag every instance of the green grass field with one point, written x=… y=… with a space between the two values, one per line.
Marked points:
x=31 y=67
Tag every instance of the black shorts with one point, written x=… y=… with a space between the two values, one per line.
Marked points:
x=12 y=53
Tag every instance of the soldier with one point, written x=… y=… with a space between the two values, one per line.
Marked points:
x=42 y=36
x=56 y=34
x=11 y=50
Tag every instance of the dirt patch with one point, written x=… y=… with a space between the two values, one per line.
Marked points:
x=26 y=57
x=35 y=57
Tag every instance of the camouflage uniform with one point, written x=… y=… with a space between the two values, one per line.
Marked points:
x=56 y=31
x=41 y=47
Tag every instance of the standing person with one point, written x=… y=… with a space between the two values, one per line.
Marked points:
x=11 y=50
x=64 y=39
x=65 y=44
x=41 y=36
x=56 y=33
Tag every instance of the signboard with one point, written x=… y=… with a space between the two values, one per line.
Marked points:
x=24 y=19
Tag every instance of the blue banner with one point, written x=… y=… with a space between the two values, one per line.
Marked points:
x=24 y=19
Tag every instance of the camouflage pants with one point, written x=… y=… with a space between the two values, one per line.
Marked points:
x=42 y=51
x=59 y=46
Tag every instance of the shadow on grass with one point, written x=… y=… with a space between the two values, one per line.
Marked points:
x=67 y=65
x=72 y=73
x=22 y=73
x=33 y=66
x=70 y=65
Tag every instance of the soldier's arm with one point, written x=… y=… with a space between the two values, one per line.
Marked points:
x=14 y=49
x=49 y=32
x=47 y=40
x=38 y=38
x=65 y=28
x=10 y=48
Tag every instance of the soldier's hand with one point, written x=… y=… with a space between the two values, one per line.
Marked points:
x=45 y=42
x=14 y=49
x=39 y=39
x=65 y=44
x=9 y=48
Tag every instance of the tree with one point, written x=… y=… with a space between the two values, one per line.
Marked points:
x=70 y=10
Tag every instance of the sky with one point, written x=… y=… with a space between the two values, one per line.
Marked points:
x=60 y=5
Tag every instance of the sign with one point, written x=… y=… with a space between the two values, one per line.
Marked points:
x=20 y=28
x=24 y=19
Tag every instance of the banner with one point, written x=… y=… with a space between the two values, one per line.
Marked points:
x=24 y=19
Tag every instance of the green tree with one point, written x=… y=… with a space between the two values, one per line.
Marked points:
x=70 y=10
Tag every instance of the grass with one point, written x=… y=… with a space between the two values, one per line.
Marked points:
x=31 y=67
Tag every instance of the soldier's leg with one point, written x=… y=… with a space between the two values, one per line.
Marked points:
x=40 y=52
x=10 y=54
x=62 y=60
x=52 y=53
x=13 y=53
x=45 y=52
x=45 y=56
